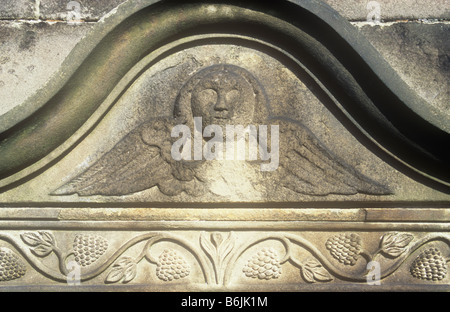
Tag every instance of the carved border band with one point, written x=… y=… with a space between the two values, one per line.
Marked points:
x=219 y=259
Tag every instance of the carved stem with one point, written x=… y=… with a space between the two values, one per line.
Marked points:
x=120 y=251
x=356 y=276
x=61 y=260
x=367 y=256
x=325 y=262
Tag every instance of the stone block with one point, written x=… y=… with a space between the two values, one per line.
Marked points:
x=416 y=51
x=30 y=53
x=87 y=10
x=357 y=10
x=19 y=9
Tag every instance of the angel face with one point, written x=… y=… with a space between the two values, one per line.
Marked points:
x=222 y=98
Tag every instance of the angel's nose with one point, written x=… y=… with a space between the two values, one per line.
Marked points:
x=221 y=104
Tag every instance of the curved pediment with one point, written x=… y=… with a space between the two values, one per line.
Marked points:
x=224 y=146
x=336 y=69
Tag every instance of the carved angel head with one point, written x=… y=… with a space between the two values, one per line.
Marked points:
x=222 y=94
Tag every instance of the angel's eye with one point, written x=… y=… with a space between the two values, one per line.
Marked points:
x=208 y=97
x=232 y=96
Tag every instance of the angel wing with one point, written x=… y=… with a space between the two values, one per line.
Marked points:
x=141 y=160
x=308 y=167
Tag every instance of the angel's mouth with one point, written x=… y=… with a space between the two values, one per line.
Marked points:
x=221 y=118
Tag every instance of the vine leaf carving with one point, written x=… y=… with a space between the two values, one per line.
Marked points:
x=42 y=251
x=208 y=246
x=42 y=241
x=430 y=265
x=123 y=270
x=394 y=244
x=312 y=271
x=218 y=249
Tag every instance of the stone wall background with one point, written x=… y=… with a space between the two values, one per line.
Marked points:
x=35 y=38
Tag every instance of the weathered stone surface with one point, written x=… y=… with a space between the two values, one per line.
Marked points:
x=393 y=10
x=417 y=51
x=20 y=9
x=86 y=10
x=30 y=53
x=350 y=9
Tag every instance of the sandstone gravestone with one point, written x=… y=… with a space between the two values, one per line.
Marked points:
x=225 y=147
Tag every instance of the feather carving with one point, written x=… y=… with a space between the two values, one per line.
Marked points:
x=141 y=160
